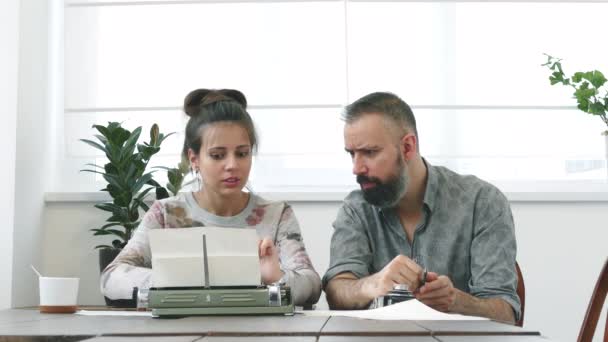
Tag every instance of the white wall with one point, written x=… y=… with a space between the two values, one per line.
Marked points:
x=33 y=147
x=562 y=247
x=9 y=41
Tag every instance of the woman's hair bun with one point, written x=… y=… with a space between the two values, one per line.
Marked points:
x=203 y=97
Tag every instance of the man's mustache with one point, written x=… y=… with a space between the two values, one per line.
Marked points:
x=364 y=179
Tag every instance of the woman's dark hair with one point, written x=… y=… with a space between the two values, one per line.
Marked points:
x=208 y=106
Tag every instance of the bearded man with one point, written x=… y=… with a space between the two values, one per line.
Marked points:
x=410 y=217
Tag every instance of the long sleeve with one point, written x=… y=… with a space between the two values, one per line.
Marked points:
x=300 y=274
x=132 y=267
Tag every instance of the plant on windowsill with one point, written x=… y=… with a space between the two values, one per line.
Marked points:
x=590 y=90
x=128 y=184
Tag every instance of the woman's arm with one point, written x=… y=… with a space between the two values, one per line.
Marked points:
x=298 y=270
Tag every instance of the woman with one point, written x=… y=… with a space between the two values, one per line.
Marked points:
x=220 y=139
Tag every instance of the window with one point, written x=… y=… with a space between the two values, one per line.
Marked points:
x=470 y=70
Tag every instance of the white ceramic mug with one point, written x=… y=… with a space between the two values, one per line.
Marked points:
x=58 y=295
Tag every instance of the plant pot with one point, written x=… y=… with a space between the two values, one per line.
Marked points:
x=106 y=256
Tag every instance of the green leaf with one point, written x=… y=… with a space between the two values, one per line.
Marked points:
x=596 y=78
x=111 y=207
x=116 y=182
x=597 y=108
x=103 y=247
x=141 y=182
x=110 y=225
x=578 y=77
x=118 y=233
x=129 y=146
x=583 y=105
x=143 y=194
x=153 y=183
x=101 y=138
x=100 y=232
x=103 y=130
x=556 y=77
x=147 y=151
x=154 y=133
x=92 y=171
x=173 y=190
x=161 y=193
x=163 y=137
x=144 y=206
x=111 y=169
x=94 y=165
x=94 y=144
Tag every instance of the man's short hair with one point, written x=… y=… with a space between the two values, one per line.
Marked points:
x=384 y=103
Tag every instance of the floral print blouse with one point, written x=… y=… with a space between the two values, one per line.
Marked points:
x=275 y=220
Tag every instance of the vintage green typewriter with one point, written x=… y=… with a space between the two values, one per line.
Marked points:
x=209 y=298
x=268 y=300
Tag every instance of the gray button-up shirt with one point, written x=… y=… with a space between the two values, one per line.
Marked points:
x=466 y=233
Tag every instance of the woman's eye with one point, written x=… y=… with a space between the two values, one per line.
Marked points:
x=216 y=156
x=243 y=154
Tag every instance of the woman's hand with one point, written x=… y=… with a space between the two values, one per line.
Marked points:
x=269 y=261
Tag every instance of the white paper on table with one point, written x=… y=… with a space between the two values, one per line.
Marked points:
x=177 y=257
x=114 y=313
x=408 y=310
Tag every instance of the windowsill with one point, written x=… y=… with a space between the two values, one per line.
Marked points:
x=558 y=191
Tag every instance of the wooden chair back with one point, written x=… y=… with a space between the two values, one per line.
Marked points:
x=595 y=308
x=521 y=292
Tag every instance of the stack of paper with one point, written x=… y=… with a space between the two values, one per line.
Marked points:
x=408 y=310
x=178 y=261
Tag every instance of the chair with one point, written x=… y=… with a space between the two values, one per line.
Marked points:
x=521 y=292
x=595 y=308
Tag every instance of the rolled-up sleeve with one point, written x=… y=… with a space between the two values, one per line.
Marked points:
x=350 y=249
x=493 y=250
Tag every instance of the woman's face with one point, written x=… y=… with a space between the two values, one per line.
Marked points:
x=224 y=160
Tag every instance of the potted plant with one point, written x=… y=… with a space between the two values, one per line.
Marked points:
x=128 y=183
x=590 y=90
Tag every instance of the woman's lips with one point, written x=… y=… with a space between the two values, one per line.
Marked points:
x=231 y=181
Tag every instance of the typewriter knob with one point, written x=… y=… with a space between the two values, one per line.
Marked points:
x=403 y=287
x=274 y=295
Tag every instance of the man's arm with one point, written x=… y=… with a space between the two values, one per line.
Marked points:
x=493 y=308
x=440 y=294
x=345 y=291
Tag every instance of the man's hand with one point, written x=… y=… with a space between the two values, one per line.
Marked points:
x=401 y=270
x=347 y=292
x=438 y=292
x=270 y=267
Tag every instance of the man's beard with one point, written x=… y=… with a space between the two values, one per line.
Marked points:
x=386 y=194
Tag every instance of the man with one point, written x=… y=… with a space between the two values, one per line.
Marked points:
x=410 y=216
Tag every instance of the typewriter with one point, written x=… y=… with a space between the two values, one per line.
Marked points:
x=177 y=293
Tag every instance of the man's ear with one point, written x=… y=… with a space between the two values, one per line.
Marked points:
x=409 y=146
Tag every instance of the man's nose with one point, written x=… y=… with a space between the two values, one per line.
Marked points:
x=359 y=167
